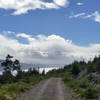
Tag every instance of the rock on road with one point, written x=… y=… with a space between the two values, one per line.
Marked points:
x=49 y=89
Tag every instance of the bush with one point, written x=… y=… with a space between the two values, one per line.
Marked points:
x=75 y=68
x=68 y=80
x=8 y=91
x=84 y=83
x=2 y=96
x=83 y=87
x=90 y=93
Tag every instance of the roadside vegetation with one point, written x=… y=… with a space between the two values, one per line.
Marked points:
x=82 y=78
x=13 y=84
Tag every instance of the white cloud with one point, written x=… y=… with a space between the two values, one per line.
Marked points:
x=79 y=4
x=61 y=2
x=77 y=15
x=94 y=16
x=23 y=6
x=51 y=49
x=9 y=32
x=23 y=35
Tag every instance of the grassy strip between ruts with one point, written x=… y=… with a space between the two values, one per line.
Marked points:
x=83 y=88
x=9 y=91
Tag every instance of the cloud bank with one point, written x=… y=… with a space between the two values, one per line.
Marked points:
x=23 y=6
x=42 y=49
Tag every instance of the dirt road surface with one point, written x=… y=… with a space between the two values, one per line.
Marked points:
x=50 y=89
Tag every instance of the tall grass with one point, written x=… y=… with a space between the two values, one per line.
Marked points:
x=9 y=91
x=84 y=89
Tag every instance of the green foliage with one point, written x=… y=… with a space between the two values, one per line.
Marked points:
x=7 y=64
x=11 y=85
x=82 y=87
x=16 y=65
x=90 y=93
x=43 y=72
x=75 y=68
x=82 y=77
x=68 y=80
x=2 y=96
x=84 y=83
x=94 y=66
x=11 y=90
x=25 y=80
x=10 y=65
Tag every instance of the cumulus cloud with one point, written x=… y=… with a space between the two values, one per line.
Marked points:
x=23 y=6
x=42 y=49
x=94 y=16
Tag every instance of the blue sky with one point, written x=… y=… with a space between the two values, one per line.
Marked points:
x=75 y=20
x=56 y=21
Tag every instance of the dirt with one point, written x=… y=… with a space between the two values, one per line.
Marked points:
x=50 y=89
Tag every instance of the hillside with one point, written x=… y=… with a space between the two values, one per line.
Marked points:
x=83 y=78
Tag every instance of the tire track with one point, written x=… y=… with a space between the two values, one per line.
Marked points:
x=50 y=89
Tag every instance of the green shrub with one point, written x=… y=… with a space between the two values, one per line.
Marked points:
x=10 y=90
x=84 y=83
x=90 y=93
x=83 y=87
x=68 y=80
x=2 y=96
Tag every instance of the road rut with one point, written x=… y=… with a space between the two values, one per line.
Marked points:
x=49 y=89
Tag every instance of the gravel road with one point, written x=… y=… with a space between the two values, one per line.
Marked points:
x=50 y=89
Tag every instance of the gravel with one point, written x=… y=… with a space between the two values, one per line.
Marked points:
x=49 y=89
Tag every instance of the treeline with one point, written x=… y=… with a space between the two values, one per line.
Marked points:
x=77 y=66
x=90 y=67
x=12 y=71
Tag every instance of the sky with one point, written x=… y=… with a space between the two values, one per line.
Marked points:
x=50 y=31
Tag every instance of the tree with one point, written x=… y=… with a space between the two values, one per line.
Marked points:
x=33 y=71
x=97 y=66
x=16 y=66
x=43 y=72
x=75 y=68
x=8 y=64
